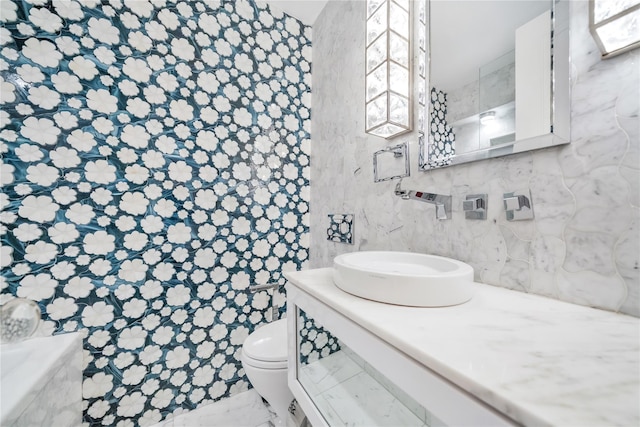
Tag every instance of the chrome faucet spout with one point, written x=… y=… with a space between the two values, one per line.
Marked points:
x=441 y=202
x=441 y=211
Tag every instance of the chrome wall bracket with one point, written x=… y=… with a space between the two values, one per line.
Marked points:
x=272 y=312
x=391 y=163
x=518 y=205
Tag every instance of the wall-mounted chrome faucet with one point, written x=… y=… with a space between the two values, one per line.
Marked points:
x=441 y=202
x=518 y=205
x=475 y=206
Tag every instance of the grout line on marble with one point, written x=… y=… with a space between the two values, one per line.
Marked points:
x=561 y=265
x=507 y=224
x=616 y=116
x=615 y=267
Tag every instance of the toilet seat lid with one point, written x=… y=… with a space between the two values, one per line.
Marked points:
x=269 y=343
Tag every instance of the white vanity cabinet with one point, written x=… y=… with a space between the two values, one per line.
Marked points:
x=364 y=381
x=504 y=358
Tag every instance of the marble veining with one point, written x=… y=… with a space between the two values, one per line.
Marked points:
x=328 y=372
x=245 y=409
x=41 y=381
x=537 y=360
x=583 y=245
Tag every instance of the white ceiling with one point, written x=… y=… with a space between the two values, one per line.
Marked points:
x=304 y=10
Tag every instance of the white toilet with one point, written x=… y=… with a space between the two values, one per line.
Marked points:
x=264 y=359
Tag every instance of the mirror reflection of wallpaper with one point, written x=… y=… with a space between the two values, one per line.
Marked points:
x=442 y=144
x=315 y=341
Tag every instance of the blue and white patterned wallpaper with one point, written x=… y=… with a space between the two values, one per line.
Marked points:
x=155 y=162
x=340 y=228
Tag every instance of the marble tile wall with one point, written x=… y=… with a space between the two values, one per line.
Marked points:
x=582 y=247
x=154 y=164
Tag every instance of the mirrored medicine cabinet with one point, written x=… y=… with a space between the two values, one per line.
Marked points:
x=498 y=79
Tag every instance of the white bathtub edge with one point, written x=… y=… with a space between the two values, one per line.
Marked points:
x=44 y=356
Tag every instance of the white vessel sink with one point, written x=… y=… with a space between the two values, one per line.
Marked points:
x=404 y=278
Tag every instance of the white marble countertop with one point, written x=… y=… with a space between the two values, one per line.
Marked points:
x=537 y=360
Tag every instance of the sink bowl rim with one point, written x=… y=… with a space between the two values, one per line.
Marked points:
x=419 y=287
x=460 y=267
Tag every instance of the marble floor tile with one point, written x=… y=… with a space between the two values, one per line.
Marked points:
x=400 y=394
x=327 y=372
x=347 y=395
x=362 y=401
x=242 y=410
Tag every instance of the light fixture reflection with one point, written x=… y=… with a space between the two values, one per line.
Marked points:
x=487 y=117
x=615 y=25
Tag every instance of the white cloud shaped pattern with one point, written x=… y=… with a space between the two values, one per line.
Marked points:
x=154 y=166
